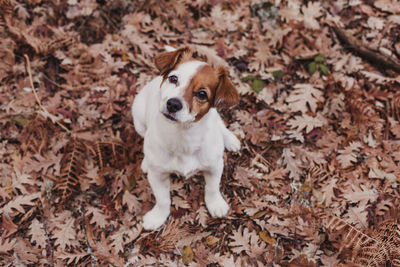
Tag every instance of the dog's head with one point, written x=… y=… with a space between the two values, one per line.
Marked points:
x=190 y=87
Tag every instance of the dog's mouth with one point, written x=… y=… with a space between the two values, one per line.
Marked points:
x=169 y=117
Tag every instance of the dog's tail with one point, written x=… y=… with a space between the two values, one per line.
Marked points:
x=169 y=48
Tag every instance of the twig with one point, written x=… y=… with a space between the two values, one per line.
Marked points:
x=28 y=63
x=366 y=52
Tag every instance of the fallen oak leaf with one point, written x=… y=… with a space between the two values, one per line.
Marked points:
x=37 y=233
x=15 y=206
x=6 y=244
x=8 y=225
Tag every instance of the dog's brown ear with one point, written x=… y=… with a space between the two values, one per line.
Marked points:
x=226 y=94
x=166 y=61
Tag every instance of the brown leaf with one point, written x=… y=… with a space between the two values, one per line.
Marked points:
x=37 y=233
x=65 y=235
x=264 y=235
x=8 y=225
x=211 y=240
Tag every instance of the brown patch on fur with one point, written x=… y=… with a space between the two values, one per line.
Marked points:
x=220 y=90
x=205 y=79
x=167 y=61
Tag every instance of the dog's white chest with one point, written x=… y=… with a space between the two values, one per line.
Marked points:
x=187 y=165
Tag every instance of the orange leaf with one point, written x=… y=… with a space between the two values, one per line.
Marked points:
x=211 y=240
x=267 y=238
x=259 y=214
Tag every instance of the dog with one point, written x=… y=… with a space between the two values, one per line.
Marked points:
x=177 y=115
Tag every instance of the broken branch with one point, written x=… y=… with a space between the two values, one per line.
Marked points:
x=366 y=52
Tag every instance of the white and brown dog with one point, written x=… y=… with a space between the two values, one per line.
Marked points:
x=183 y=132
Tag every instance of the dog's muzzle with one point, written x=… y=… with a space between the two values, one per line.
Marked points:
x=174 y=105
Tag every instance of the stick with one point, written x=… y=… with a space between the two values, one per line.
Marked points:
x=28 y=63
x=390 y=62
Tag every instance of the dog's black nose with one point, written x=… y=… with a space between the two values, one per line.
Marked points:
x=174 y=105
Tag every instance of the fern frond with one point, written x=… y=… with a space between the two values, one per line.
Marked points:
x=112 y=154
x=72 y=168
x=36 y=134
x=317 y=172
x=375 y=249
x=388 y=236
x=363 y=108
x=351 y=236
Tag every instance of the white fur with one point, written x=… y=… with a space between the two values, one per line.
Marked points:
x=169 y=48
x=183 y=146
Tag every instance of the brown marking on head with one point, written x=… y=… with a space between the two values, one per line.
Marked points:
x=220 y=91
x=167 y=61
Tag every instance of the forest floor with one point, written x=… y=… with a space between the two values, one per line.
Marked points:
x=316 y=182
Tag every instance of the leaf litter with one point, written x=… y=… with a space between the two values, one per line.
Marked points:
x=316 y=182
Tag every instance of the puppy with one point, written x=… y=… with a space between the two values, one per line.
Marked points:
x=183 y=132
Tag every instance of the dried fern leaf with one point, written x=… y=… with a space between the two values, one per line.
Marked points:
x=377 y=249
x=72 y=167
x=112 y=154
x=386 y=250
x=36 y=134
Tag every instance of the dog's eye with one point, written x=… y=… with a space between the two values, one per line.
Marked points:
x=201 y=95
x=173 y=79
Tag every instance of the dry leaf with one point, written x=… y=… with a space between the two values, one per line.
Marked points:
x=264 y=235
x=187 y=255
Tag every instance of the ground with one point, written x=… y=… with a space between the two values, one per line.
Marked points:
x=316 y=182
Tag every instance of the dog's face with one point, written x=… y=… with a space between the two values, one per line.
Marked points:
x=191 y=87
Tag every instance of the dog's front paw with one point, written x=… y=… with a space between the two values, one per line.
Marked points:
x=154 y=218
x=217 y=207
x=232 y=143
